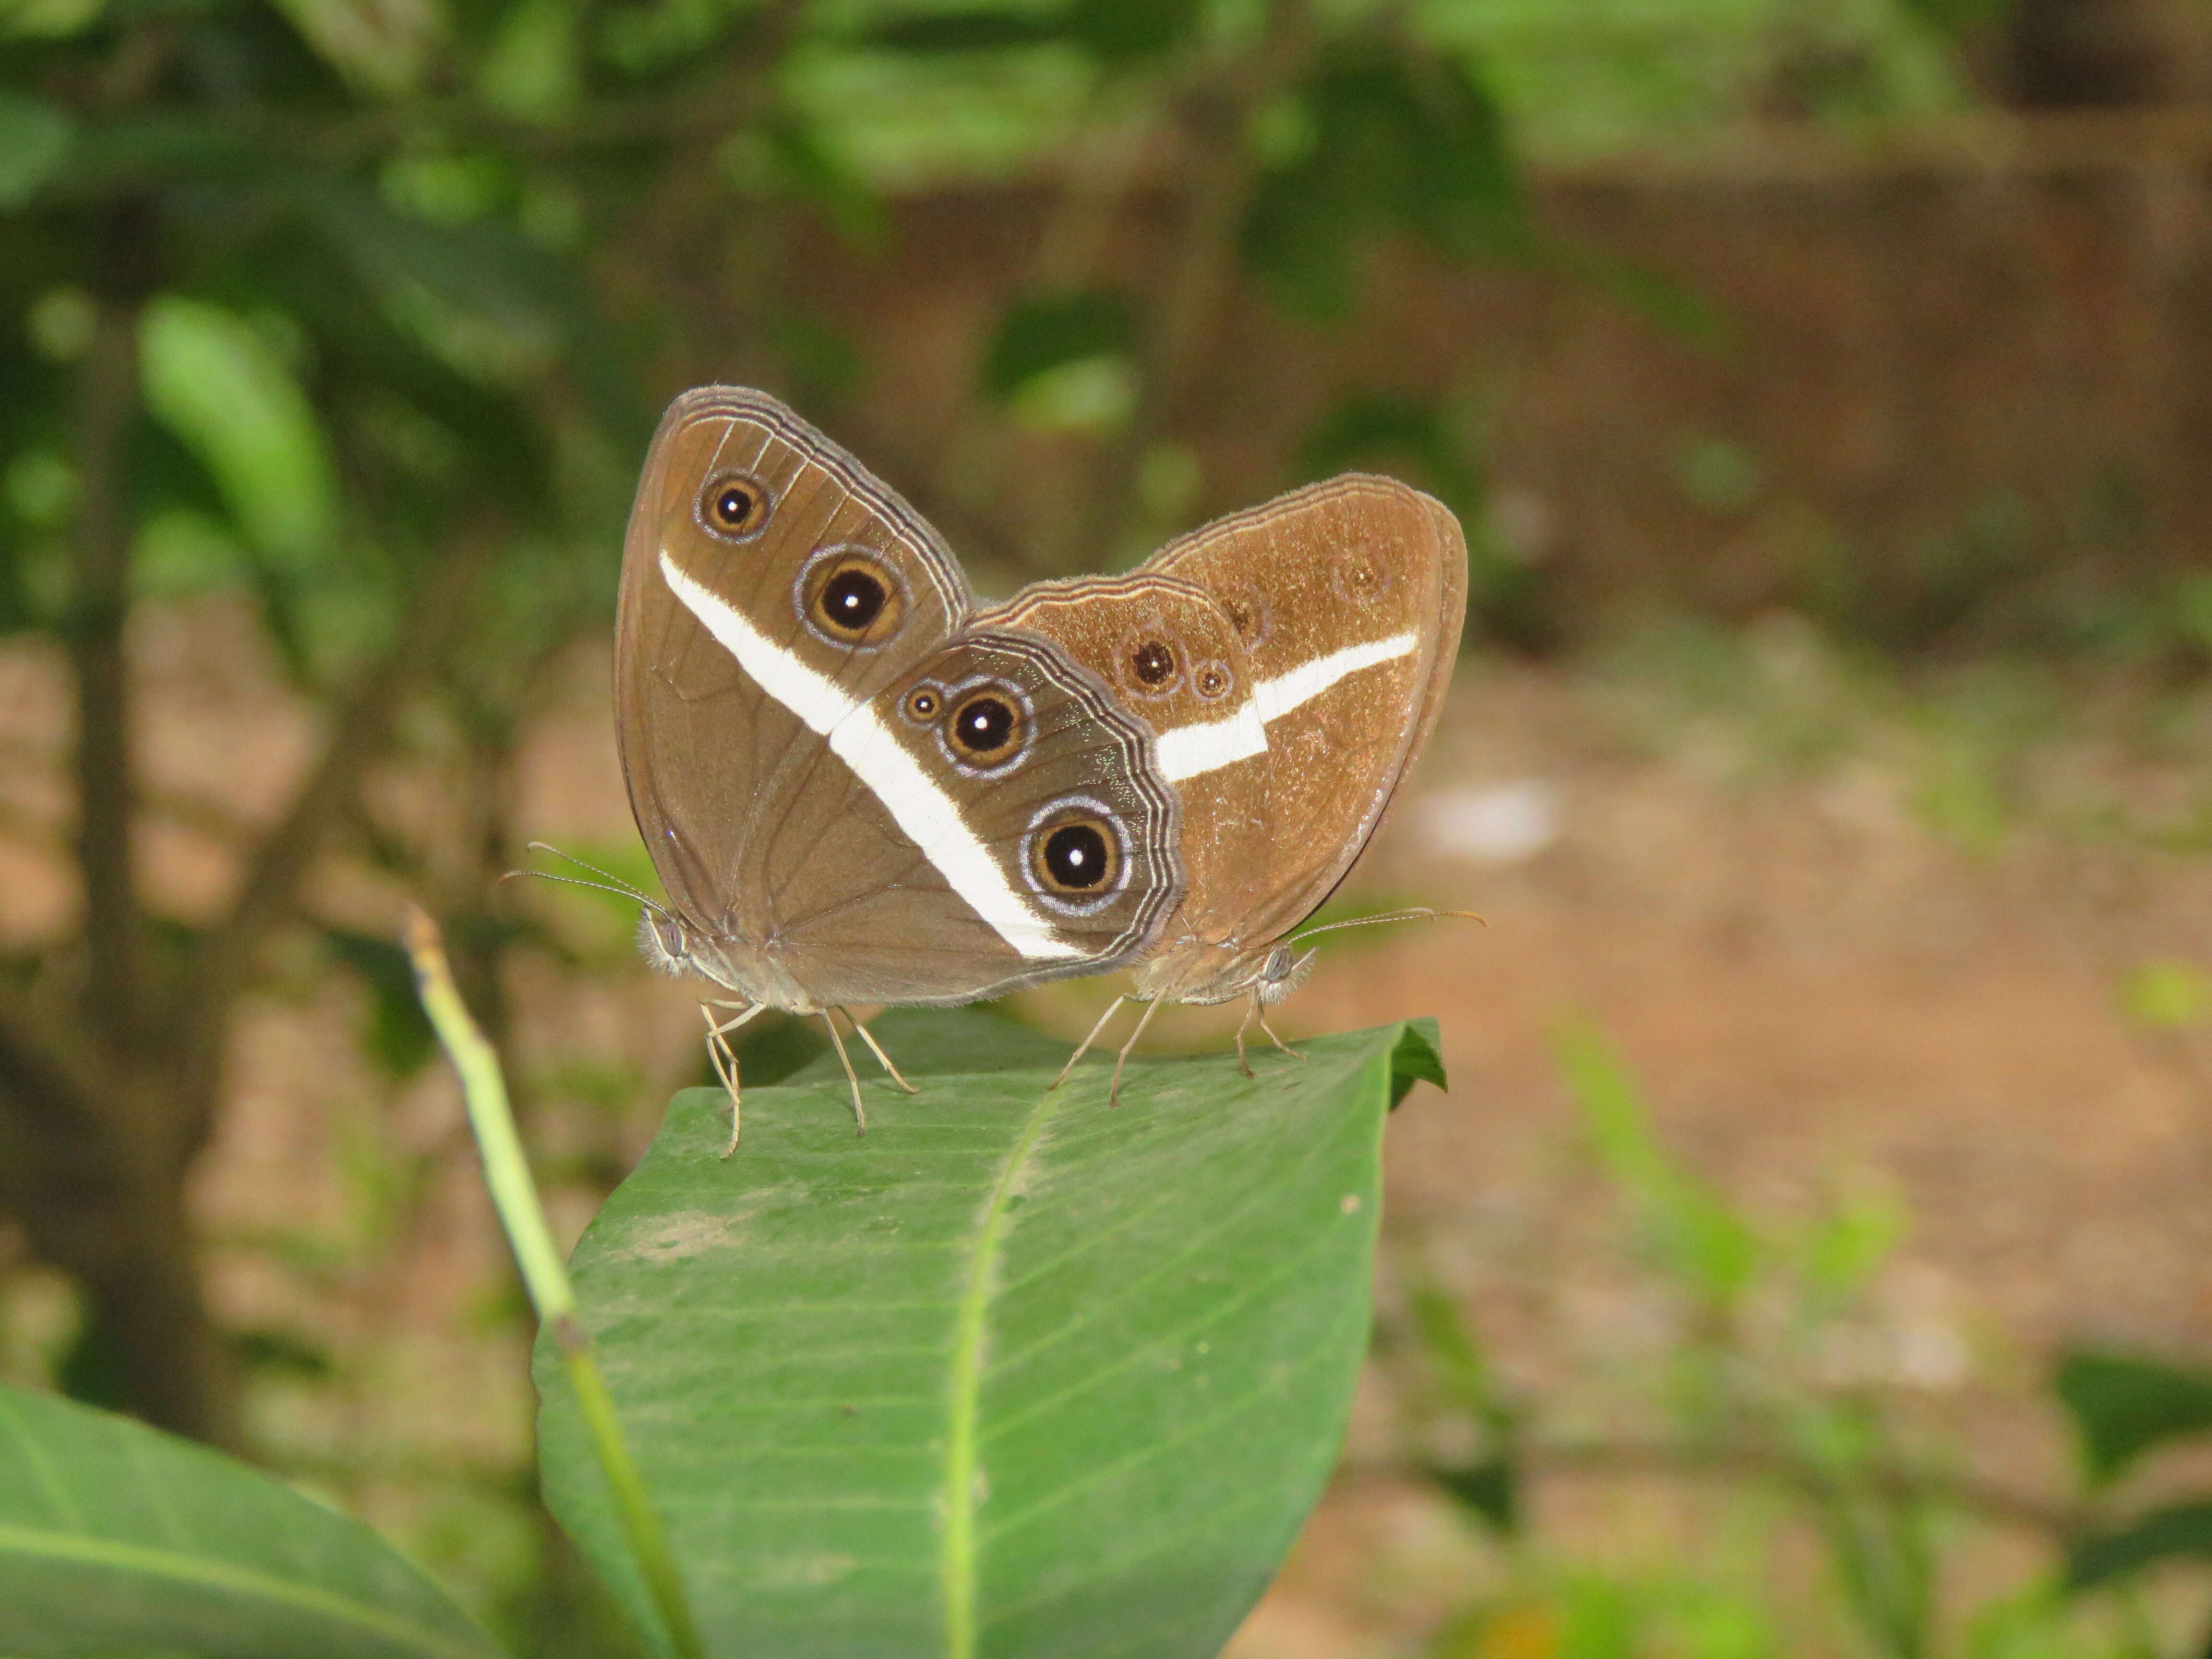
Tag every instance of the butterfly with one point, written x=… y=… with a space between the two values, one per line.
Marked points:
x=1292 y=660
x=859 y=787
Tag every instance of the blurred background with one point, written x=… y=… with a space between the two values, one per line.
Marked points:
x=1813 y=1256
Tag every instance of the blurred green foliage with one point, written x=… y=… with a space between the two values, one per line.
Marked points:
x=1789 y=1386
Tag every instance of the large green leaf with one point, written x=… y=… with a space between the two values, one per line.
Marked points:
x=113 y=1534
x=1017 y=1373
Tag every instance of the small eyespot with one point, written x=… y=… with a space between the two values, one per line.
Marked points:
x=1249 y=612
x=851 y=598
x=733 y=505
x=988 y=727
x=923 y=704
x=1360 y=576
x=1211 y=681
x=1079 y=856
x=1153 y=662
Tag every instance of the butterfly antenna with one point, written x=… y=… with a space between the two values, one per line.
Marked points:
x=1417 y=913
x=614 y=884
x=604 y=875
x=630 y=893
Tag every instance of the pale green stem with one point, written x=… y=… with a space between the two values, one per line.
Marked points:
x=514 y=1194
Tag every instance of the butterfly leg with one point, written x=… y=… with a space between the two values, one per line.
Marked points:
x=1113 y=1094
x=723 y=1058
x=1243 y=1026
x=876 y=1050
x=1085 y=1047
x=860 y=1112
x=1273 y=1035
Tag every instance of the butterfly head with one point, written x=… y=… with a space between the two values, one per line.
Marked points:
x=1282 y=973
x=664 y=942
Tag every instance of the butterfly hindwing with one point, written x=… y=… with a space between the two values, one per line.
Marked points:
x=1172 y=656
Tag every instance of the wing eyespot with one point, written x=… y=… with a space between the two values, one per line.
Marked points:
x=923 y=704
x=849 y=597
x=1075 y=856
x=735 y=506
x=1150 y=663
x=1212 y=681
x=1249 y=612
x=984 y=726
x=1359 y=576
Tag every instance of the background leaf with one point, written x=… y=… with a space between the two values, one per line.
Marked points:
x=2178 y=1529
x=113 y=1534
x=1020 y=1373
x=34 y=137
x=1044 y=332
x=1689 y=1224
x=2123 y=1405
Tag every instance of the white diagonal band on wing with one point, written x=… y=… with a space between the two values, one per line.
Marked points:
x=918 y=806
x=1189 y=751
x=1278 y=697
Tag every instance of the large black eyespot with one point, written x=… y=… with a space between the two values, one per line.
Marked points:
x=1079 y=856
x=849 y=598
x=1151 y=662
x=733 y=505
x=988 y=726
x=1076 y=856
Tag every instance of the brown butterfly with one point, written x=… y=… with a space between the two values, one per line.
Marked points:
x=1291 y=661
x=859 y=789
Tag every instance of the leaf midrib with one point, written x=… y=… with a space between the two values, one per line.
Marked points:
x=150 y=1562
x=964 y=1399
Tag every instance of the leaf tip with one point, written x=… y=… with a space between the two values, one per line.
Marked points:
x=1416 y=1058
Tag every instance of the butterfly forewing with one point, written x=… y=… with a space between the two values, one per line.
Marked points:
x=1348 y=597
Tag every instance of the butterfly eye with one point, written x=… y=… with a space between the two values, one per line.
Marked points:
x=988 y=726
x=733 y=505
x=1079 y=856
x=849 y=598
